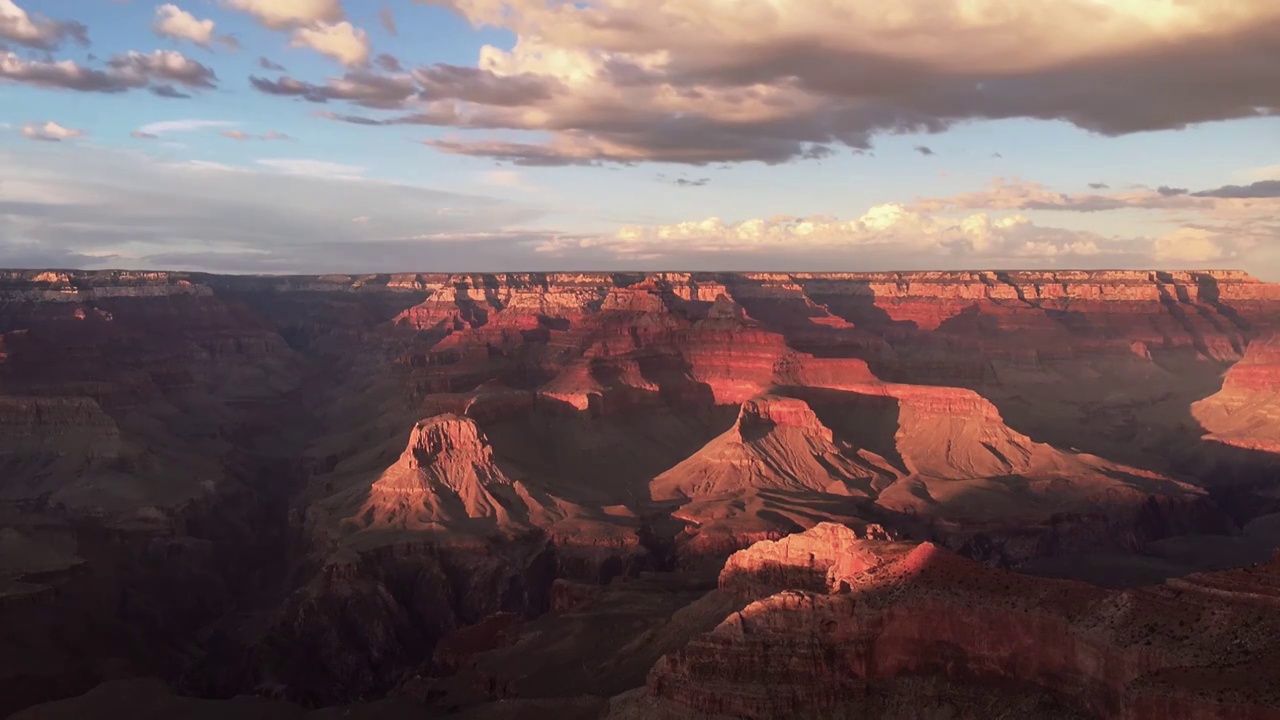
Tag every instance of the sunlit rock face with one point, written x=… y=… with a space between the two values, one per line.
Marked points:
x=838 y=620
x=326 y=480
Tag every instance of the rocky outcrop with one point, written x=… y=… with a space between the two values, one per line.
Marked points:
x=882 y=612
x=1245 y=413
x=447 y=479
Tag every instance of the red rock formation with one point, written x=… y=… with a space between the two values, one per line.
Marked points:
x=446 y=479
x=1246 y=412
x=882 y=612
x=558 y=406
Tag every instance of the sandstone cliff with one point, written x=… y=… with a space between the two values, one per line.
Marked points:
x=865 y=614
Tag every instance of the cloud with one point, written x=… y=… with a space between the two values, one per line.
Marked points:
x=341 y=41
x=96 y=208
x=63 y=74
x=168 y=65
x=49 y=132
x=686 y=182
x=268 y=64
x=713 y=82
x=1199 y=246
x=127 y=71
x=925 y=150
x=889 y=235
x=388 y=63
x=242 y=136
x=174 y=22
x=388 y=20
x=483 y=87
x=187 y=125
x=1259 y=202
x=313 y=168
x=286 y=14
x=169 y=91
x=1260 y=189
x=1099 y=186
x=358 y=86
x=1271 y=172
x=143 y=135
x=34 y=31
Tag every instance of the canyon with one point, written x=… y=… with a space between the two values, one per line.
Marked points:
x=627 y=495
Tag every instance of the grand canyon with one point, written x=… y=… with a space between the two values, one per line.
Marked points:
x=640 y=495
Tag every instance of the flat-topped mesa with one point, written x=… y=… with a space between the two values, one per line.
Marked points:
x=762 y=414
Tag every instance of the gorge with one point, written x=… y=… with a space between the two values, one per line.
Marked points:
x=640 y=495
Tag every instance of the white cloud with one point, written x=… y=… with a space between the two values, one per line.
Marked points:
x=889 y=233
x=341 y=41
x=49 y=131
x=503 y=178
x=174 y=22
x=17 y=26
x=175 y=126
x=314 y=168
x=283 y=14
x=241 y=135
x=1271 y=172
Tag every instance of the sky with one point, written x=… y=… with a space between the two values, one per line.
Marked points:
x=357 y=136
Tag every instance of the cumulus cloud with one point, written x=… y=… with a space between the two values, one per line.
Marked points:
x=890 y=233
x=285 y=14
x=704 y=82
x=49 y=132
x=34 y=31
x=167 y=65
x=341 y=41
x=173 y=22
x=123 y=72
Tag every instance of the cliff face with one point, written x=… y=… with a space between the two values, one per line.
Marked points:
x=347 y=469
x=861 y=613
x=1246 y=412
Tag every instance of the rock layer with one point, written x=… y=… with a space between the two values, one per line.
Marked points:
x=865 y=612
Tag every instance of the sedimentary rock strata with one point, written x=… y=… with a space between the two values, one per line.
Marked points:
x=302 y=486
x=835 y=616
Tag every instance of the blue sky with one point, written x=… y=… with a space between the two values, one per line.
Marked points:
x=762 y=167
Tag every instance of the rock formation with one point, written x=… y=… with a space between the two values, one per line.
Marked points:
x=837 y=621
x=1245 y=413
x=310 y=487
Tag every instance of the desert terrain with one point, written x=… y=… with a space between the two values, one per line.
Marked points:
x=640 y=495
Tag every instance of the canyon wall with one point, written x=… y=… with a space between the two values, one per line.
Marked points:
x=298 y=486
